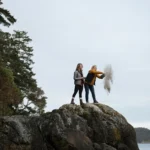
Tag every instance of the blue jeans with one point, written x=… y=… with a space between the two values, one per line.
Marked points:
x=91 y=87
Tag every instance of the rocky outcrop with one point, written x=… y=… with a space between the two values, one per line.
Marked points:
x=71 y=127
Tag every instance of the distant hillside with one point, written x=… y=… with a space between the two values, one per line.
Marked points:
x=143 y=135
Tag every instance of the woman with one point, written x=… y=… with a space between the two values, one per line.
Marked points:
x=90 y=82
x=78 y=81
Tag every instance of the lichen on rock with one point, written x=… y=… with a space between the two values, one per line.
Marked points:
x=71 y=127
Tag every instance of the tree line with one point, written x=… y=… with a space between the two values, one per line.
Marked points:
x=19 y=92
x=142 y=135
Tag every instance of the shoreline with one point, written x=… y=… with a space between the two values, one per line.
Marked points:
x=144 y=143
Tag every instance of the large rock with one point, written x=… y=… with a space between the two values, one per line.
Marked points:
x=71 y=127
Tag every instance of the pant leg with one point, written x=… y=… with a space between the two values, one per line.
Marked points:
x=86 y=92
x=76 y=88
x=80 y=91
x=91 y=87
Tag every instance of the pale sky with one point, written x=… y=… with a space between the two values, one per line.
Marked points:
x=66 y=32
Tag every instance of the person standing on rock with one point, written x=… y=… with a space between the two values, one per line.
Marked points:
x=79 y=82
x=90 y=82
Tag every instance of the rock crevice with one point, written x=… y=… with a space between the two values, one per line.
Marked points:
x=71 y=127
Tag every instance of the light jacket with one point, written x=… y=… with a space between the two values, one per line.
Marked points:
x=78 y=79
x=91 y=77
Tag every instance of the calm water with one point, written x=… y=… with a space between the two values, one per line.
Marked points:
x=144 y=146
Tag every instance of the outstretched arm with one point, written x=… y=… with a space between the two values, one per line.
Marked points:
x=96 y=72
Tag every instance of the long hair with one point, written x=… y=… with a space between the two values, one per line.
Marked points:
x=78 y=68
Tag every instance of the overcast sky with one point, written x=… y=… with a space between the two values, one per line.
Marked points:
x=66 y=32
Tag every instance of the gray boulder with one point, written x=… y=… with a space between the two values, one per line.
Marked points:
x=71 y=127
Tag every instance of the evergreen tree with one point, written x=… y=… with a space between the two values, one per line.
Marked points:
x=17 y=56
x=10 y=95
x=17 y=82
x=5 y=17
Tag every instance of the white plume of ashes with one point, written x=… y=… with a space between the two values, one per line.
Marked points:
x=108 y=78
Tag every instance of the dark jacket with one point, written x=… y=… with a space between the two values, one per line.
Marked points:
x=91 y=77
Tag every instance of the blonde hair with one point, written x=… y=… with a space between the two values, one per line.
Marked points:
x=93 y=67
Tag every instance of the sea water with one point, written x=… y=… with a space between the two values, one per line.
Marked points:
x=144 y=146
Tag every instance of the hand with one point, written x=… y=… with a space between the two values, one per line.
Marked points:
x=102 y=76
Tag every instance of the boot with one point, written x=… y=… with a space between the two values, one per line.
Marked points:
x=87 y=102
x=95 y=101
x=81 y=102
x=72 y=101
